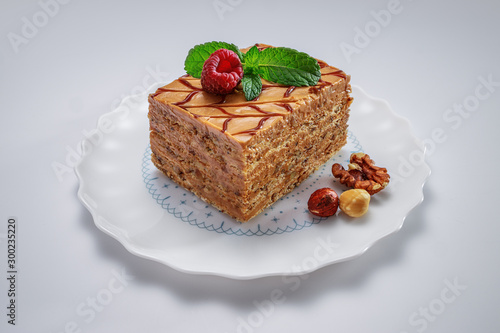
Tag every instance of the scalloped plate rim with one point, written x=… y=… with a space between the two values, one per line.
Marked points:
x=135 y=250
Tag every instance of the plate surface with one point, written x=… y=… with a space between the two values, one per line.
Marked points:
x=156 y=219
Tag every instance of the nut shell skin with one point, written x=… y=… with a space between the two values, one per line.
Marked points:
x=355 y=202
x=323 y=202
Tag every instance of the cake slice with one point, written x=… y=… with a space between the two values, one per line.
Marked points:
x=241 y=156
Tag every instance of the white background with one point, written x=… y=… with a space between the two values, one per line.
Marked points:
x=77 y=63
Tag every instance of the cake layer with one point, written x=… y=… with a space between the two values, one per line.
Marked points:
x=241 y=156
x=270 y=177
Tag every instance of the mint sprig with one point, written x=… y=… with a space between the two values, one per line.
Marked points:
x=275 y=64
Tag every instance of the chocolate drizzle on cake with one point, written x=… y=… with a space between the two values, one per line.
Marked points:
x=188 y=98
x=221 y=104
x=337 y=73
x=230 y=116
x=261 y=47
x=289 y=91
x=253 y=131
x=188 y=84
x=286 y=106
x=160 y=91
x=322 y=64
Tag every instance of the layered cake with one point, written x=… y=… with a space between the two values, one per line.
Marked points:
x=241 y=156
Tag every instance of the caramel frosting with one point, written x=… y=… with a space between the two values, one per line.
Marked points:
x=232 y=114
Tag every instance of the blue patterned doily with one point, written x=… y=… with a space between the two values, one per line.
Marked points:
x=286 y=215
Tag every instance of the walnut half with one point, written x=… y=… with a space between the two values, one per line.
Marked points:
x=362 y=173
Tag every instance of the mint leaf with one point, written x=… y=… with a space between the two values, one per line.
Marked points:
x=288 y=66
x=251 y=60
x=200 y=53
x=252 y=85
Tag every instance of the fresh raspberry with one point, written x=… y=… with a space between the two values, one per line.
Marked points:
x=222 y=72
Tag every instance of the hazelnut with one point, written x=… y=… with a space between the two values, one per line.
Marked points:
x=354 y=202
x=323 y=202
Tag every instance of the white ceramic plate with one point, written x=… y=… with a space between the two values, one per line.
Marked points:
x=156 y=219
